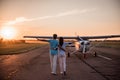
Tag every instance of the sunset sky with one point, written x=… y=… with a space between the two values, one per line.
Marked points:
x=63 y=17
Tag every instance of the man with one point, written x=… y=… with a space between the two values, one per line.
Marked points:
x=53 y=52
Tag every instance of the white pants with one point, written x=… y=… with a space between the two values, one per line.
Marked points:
x=53 y=61
x=62 y=63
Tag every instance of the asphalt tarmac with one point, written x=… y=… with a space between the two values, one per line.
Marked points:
x=35 y=65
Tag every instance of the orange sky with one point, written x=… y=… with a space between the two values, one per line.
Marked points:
x=64 y=17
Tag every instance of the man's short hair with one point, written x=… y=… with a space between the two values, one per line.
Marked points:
x=54 y=36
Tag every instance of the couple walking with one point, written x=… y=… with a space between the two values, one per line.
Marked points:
x=57 y=50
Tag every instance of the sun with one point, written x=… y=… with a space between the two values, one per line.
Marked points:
x=8 y=32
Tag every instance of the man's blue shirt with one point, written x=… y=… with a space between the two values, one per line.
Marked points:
x=53 y=47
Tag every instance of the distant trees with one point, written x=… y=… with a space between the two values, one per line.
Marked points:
x=1 y=39
x=11 y=41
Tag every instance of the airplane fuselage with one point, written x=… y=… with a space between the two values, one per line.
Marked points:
x=82 y=46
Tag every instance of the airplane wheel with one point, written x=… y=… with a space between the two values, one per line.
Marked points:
x=95 y=54
x=68 y=54
x=84 y=56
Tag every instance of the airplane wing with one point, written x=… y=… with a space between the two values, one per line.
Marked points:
x=100 y=37
x=76 y=37
x=46 y=37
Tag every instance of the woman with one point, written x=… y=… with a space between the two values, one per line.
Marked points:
x=62 y=55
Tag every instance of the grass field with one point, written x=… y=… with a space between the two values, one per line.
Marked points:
x=109 y=44
x=8 y=48
x=18 y=48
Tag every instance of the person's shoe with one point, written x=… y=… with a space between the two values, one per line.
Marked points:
x=85 y=56
x=61 y=73
x=53 y=73
x=64 y=73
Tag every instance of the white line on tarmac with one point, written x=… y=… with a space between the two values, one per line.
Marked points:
x=104 y=57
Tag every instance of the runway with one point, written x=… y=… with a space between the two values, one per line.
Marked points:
x=35 y=65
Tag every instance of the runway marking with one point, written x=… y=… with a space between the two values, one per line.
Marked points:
x=104 y=57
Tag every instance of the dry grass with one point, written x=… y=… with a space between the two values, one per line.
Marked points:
x=18 y=48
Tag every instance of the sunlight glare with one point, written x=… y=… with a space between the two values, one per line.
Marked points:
x=8 y=32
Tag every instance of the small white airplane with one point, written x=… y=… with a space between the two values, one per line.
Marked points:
x=82 y=44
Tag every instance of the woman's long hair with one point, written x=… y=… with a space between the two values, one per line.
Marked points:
x=61 y=41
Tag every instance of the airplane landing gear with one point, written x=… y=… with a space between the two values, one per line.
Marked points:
x=68 y=54
x=85 y=56
x=95 y=54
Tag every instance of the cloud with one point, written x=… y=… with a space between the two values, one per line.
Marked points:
x=17 y=20
x=67 y=13
x=74 y=12
x=40 y=18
